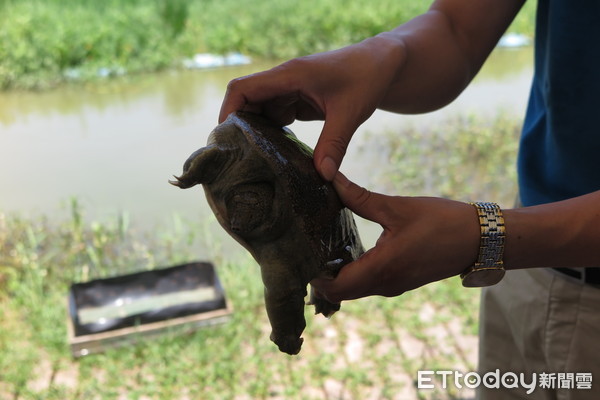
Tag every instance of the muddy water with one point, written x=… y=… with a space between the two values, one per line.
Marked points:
x=114 y=145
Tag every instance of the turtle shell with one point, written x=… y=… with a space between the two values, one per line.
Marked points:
x=261 y=184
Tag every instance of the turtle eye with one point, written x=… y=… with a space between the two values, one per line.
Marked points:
x=249 y=206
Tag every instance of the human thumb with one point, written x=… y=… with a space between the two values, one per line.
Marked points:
x=332 y=145
x=359 y=200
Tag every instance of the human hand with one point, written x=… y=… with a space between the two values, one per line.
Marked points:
x=424 y=239
x=341 y=87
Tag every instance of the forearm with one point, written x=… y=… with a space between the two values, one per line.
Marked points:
x=442 y=50
x=561 y=234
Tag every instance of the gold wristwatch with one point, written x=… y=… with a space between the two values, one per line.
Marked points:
x=489 y=268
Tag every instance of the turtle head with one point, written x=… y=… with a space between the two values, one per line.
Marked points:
x=202 y=167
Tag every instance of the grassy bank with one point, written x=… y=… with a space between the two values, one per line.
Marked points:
x=45 y=42
x=372 y=348
x=349 y=356
x=468 y=158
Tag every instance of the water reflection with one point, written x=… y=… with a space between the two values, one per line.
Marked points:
x=179 y=92
x=115 y=144
x=185 y=92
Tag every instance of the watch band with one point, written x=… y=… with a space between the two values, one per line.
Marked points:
x=489 y=267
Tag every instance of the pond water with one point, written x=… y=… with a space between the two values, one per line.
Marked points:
x=113 y=145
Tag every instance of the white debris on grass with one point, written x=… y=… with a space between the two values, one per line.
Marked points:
x=208 y=60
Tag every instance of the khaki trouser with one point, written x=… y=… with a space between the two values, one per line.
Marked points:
x=537 y=321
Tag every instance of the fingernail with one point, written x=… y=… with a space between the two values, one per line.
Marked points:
x=328 y=168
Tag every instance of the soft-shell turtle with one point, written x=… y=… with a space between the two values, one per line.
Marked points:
x=261 y=184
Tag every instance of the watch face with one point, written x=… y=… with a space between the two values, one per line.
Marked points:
x=482 y=277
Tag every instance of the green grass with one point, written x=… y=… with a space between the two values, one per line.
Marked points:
x=467 y=157
x=373 y=347
x=39 y=260
x=43 y=42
